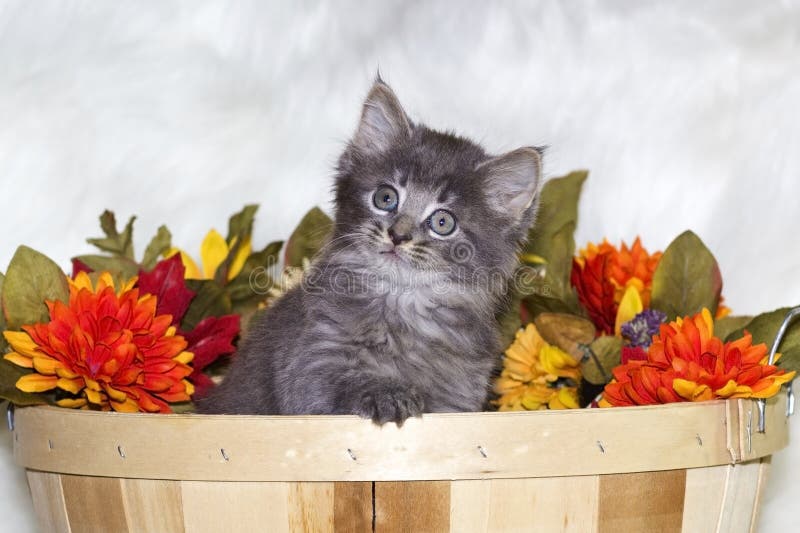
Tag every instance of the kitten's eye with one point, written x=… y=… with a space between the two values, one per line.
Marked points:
x=442 y=222
x=385 y=198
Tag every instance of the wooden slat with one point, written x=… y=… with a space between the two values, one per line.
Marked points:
x=410 y=506
x=94 y=504
x=311 y=507
x=647 y=501
x=763 y=476
x=536 y=504
x=345 y=448
x=235 y=506
x=470 y=503
x=739 y=497
x=702 y=503
x=48 y=501
x=153 y=505
x=352 y=504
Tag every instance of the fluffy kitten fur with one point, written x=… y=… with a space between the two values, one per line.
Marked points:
x=394 y=320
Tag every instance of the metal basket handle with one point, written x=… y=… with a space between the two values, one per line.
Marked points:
x=762 y=404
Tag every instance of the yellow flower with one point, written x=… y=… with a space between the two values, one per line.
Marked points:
x=214 y=250
x=534 y=373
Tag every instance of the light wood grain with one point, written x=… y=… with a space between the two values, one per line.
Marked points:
x=48 y=501
x=442 y=446
x=705 y=488
x=235 y=506
x=559 y=504
x=739 y=497
x=646 y=501
x=153 y=505
x=412 y=506
x=94 y=504
x=311 y=507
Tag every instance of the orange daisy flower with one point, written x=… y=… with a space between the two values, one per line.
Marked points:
x=686 y=362
x=108 y=350
x=602 y=274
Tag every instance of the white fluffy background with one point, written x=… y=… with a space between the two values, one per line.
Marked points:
x=686 y=113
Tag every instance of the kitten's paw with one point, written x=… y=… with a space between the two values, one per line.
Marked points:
x=392 y=403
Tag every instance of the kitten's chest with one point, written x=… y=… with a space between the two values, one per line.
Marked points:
x=406 y=322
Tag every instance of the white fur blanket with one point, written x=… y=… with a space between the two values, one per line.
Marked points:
x=686 y=113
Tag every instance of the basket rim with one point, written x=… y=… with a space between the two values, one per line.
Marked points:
x=481 y=445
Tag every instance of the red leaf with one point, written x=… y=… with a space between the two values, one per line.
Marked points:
x=202 y=384
x=166 y=282
x=79 y=266
x=212 y=338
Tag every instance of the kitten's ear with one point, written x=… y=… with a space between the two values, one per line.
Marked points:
x=513 y=180
x=383 y=121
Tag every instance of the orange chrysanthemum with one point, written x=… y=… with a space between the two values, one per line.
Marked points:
x=108 y=350
x=601 y=275
x=686 y=362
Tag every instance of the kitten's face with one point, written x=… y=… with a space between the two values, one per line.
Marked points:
x=412 y=200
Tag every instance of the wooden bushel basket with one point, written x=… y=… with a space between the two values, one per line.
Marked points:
x=683 y=467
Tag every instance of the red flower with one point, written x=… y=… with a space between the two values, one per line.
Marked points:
x=601 y=274
x=109 y=350
x=686 y=362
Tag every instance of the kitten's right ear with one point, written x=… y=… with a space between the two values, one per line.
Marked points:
x=512 y=180
x=383 y=121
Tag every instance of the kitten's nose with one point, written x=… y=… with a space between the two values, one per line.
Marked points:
x=398 y=238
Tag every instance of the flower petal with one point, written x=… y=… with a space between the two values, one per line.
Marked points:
x=36 y=383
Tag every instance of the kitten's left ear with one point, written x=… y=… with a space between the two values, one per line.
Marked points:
x=512 y=180
x=383 y=121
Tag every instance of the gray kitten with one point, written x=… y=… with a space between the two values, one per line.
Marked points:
x=396 y=316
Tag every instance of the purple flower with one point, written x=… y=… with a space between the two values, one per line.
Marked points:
x=640 y=330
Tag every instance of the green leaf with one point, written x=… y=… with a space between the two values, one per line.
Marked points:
x=120 y=244
x=251 y=285
x=604 y=353
x=159 y=245
x=510 y=322
x=764 y=328
x=309 y=237
x=210 y=300
x=726 y=325
x=31 y=279
x=687 y=278
x=551 y=245
x=121 y=268
x=240 y=225
x=9 y=374
x=3 y=325
x=240 y=228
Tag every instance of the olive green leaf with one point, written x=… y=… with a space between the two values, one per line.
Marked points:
x=547 y=256
x=117 y=243
x=250 y=286
x=309 y=237
x=687 y=278
x=9 y=374
x=158 y=246
x=240 y=229
x=3 y=325
x=210 y=300
x=31 y=279
x=240 y=225
x=569 y=332
x=510 y=322
x=121 y=268
x=726 y=325
x=764 y=328
x=603 y=355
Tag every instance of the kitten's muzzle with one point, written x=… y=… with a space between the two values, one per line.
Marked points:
x=398 y=237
